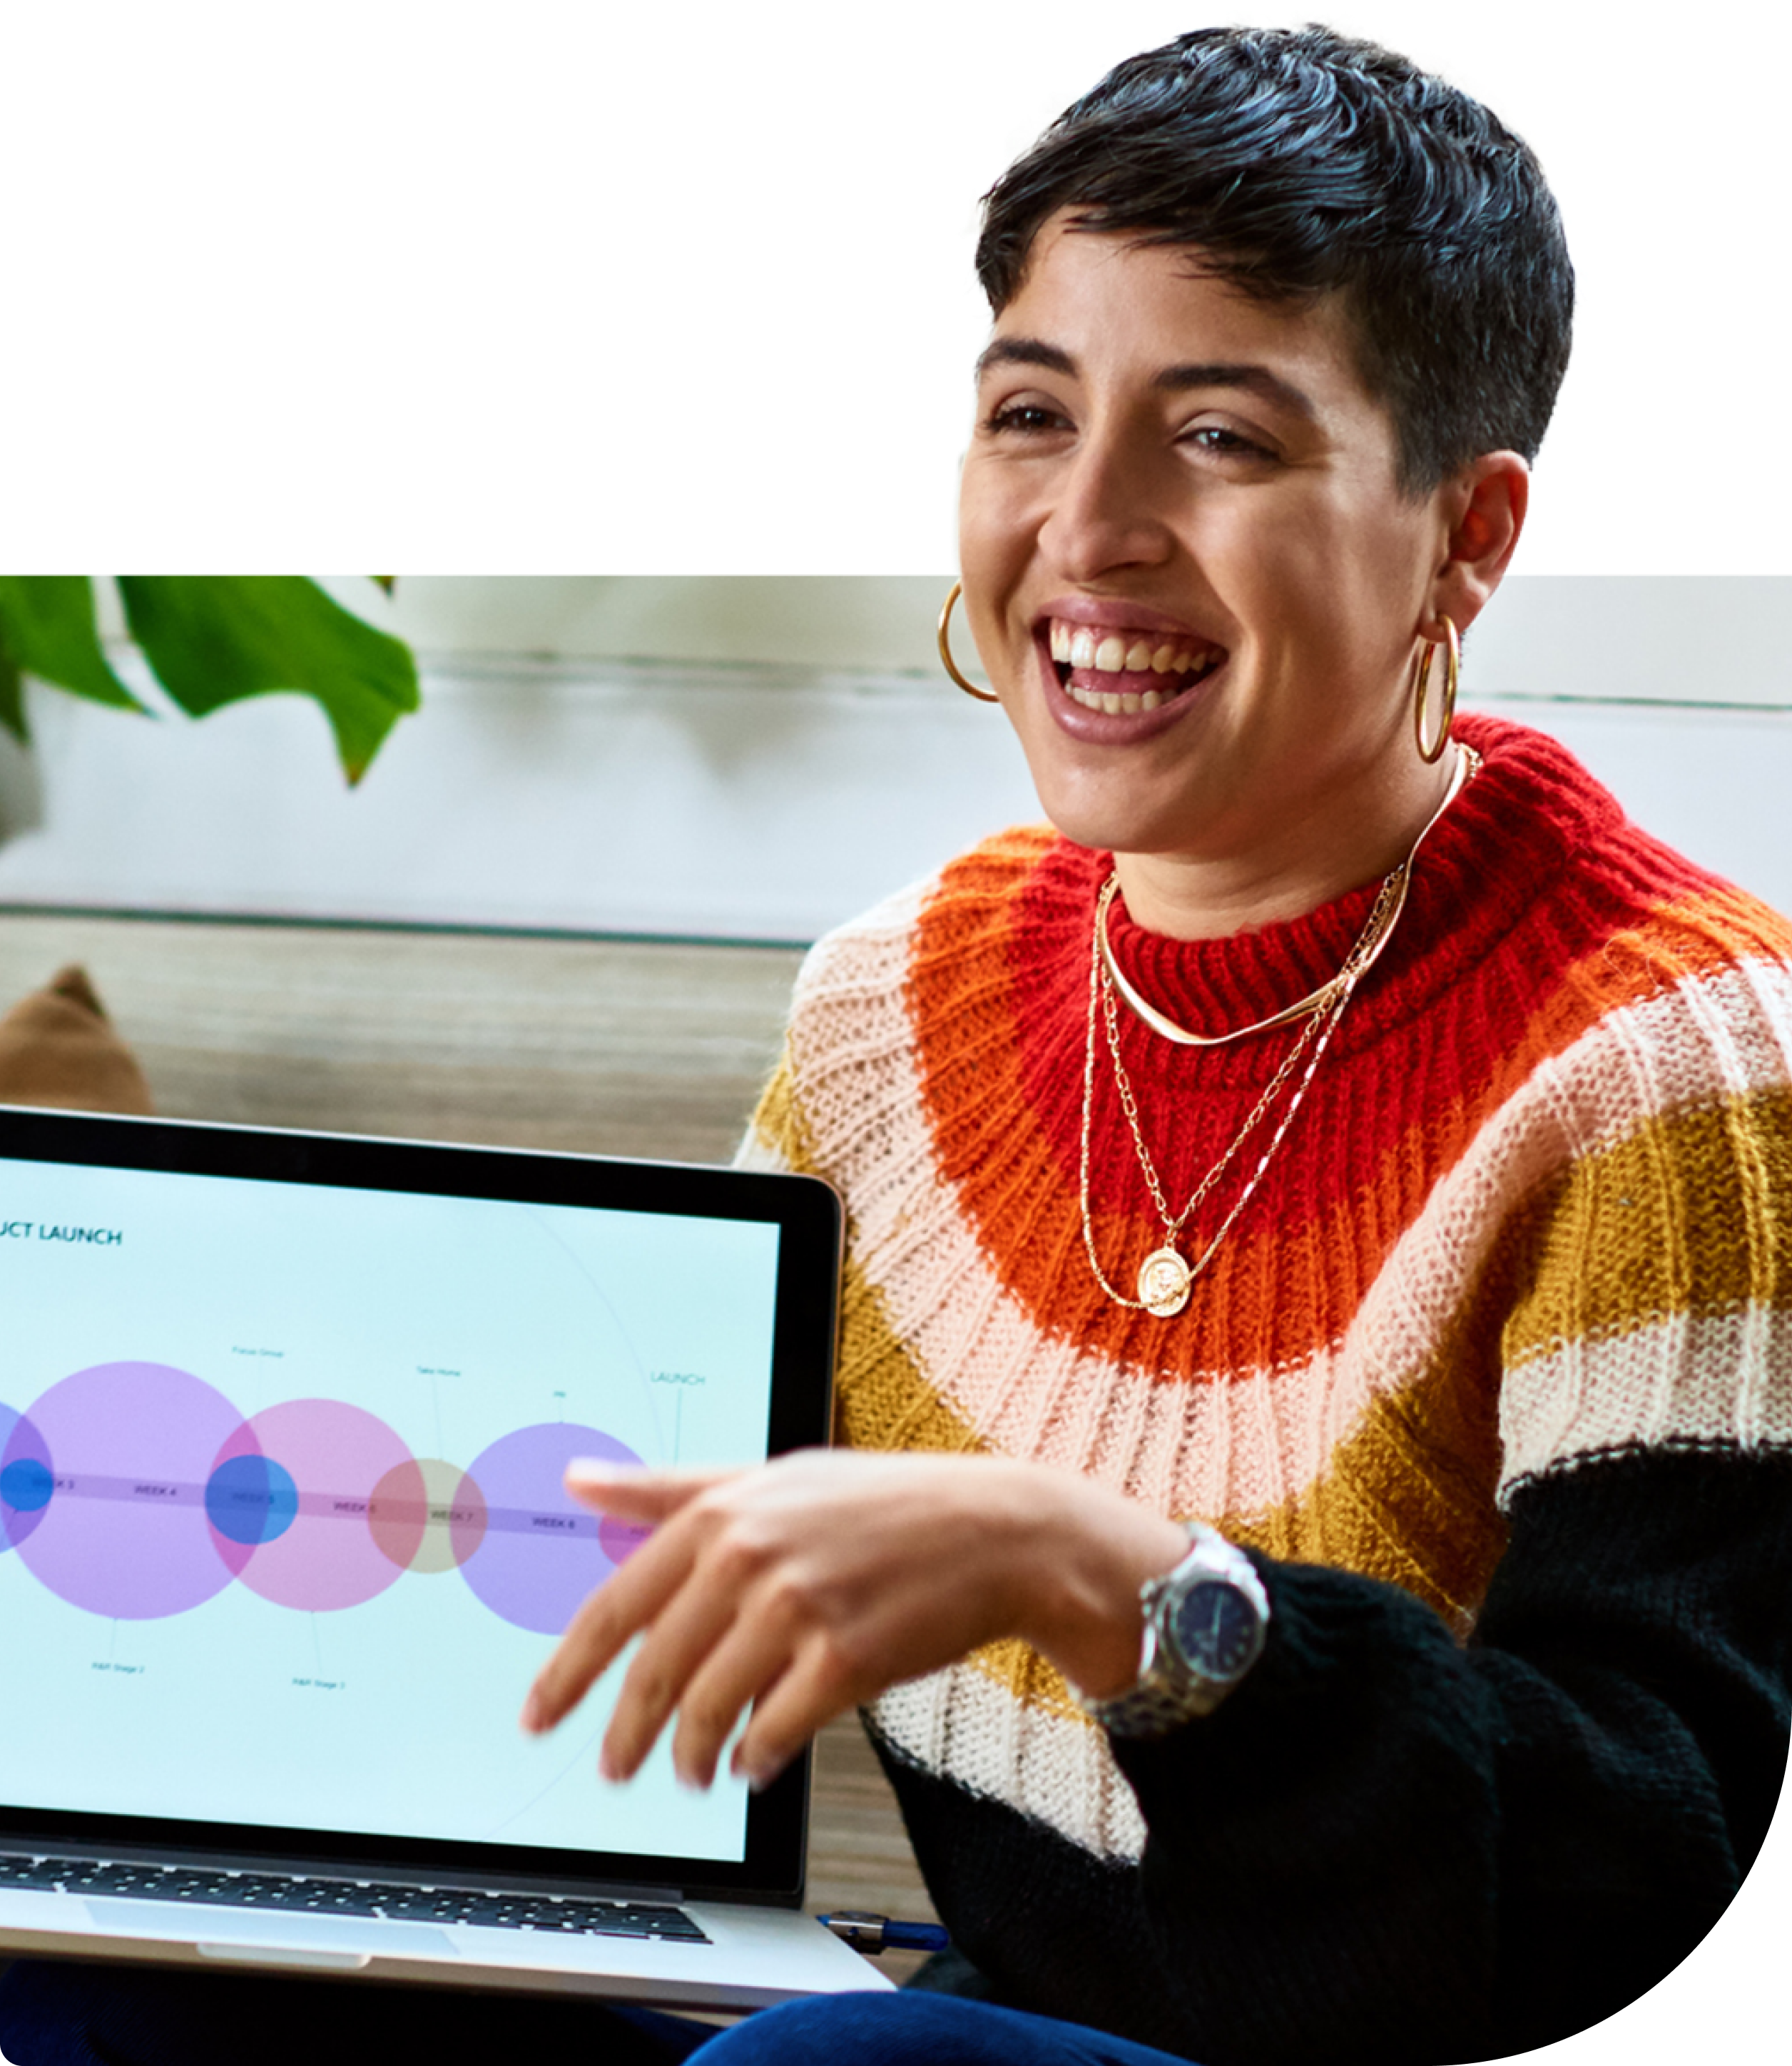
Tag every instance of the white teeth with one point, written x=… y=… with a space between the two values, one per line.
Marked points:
x=1113 y=653
x=1116 y=706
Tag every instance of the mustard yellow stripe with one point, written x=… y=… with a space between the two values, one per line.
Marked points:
x=1691 y=1213
x=779 y=1122
x=1398 y=1501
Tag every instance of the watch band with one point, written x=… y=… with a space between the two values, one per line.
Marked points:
x=1173 y=1688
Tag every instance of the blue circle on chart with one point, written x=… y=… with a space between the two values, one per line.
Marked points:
x=27 y=1478
x=25 y=1485
x=251 y=1499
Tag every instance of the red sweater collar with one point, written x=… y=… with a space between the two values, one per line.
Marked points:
x=1500 y=845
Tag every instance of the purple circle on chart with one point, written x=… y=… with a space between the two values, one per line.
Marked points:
x=325 y=1557
x=125 y=1532
x=27 y=1478
x=542 y=1551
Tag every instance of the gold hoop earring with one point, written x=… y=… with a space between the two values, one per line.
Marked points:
x=1453 y=665
x=946 y=659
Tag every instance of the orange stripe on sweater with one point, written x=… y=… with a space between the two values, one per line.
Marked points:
x=1007 y=1137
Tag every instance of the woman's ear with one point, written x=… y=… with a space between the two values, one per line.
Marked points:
x=1484 y=507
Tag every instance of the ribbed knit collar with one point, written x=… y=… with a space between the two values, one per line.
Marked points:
x=1502 y=843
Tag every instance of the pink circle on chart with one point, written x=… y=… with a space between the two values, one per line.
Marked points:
x=336 y=1454
x=621 y=1538
x=125 y=1531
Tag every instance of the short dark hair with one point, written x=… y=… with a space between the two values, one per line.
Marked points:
x=1303 y=163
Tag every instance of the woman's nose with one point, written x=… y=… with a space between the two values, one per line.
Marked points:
x=1107 y=512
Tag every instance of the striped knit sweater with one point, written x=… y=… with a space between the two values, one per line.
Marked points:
x=1493 y=1376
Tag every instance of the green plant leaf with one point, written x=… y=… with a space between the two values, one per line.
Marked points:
x=215 y=638
x=47 y=629
x=12 y=701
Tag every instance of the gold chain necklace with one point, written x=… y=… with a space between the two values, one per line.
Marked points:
x=1165 y=1278
x=1468 y=766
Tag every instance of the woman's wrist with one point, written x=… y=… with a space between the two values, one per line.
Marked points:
x=1092 y=1550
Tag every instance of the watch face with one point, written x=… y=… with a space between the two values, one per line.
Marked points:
x=1216 y=1628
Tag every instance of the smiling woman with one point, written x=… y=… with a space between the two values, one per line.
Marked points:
x=1332 y=1189
x=1314 y=1532
x=1211 y=486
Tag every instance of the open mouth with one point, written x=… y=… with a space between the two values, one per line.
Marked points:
x=1121 y=672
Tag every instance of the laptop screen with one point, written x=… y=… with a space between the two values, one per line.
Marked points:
x=283 y=1536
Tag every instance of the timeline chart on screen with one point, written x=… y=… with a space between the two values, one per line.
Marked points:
x=134 y=1490
x=282 y=1472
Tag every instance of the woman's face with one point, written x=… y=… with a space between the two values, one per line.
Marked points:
x=1187 y=563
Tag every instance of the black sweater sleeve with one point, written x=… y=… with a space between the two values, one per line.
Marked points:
x=1386 y=1846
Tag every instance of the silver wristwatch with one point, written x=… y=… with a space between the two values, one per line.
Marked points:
x=1204 y=1629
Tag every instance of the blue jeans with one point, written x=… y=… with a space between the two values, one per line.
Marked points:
x=917 y=2030
x=58 y=2015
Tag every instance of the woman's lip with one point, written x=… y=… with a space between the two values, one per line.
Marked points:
x=1110 y=613
x=1116 y=728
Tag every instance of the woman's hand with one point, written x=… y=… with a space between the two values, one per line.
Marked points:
x=807 y=1586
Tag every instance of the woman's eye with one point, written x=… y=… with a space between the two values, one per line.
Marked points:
x=1023 y=417
x=1225 y=443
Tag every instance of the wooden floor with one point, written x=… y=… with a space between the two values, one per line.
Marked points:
x=608 y=1047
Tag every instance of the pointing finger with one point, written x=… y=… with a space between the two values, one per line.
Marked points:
x=633 y=1490
x=625 y=1601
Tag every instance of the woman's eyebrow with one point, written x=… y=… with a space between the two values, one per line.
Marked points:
x=1174 y=379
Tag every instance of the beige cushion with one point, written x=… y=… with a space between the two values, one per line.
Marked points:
x=57 y=1047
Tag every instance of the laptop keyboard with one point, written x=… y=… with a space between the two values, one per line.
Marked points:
x=570 y=1916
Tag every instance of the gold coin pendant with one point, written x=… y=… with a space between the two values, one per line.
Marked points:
x=1164 y=1282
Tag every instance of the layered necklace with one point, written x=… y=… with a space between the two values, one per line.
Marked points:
x=1166 y=1277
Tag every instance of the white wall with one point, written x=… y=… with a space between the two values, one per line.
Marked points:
x=817 y=620
x=761 y=759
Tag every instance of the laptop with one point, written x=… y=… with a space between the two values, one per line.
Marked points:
x=283 y=1541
